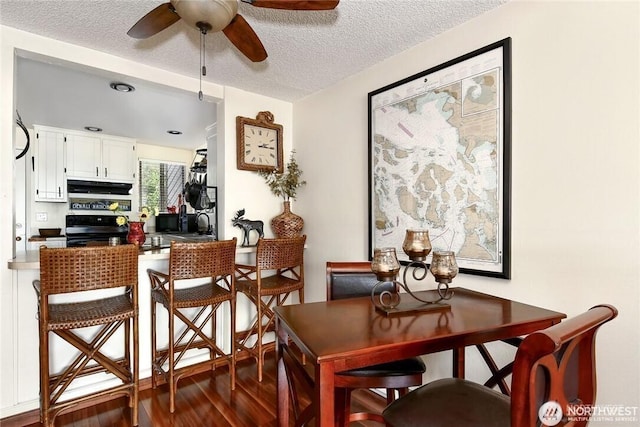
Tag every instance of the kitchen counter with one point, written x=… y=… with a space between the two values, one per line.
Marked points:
x=30 y=260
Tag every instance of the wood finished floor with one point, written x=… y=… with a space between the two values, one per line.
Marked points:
x=202 y=400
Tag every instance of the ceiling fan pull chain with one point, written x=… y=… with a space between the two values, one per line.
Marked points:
x=203 y=67
x=204 y=57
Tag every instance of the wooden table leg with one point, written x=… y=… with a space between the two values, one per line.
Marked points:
x=283 y=397
x=458 y=362
x=325 y=395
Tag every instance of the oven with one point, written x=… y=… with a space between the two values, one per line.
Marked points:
x=83 y=230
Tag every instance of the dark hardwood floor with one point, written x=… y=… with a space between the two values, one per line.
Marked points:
x=202 y=400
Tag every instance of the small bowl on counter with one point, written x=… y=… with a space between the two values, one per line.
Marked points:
x=49 y=232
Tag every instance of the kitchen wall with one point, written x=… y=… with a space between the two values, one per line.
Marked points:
x=55 y=212
x=576 y=168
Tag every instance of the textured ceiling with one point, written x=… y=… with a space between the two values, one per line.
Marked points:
x=308 y=51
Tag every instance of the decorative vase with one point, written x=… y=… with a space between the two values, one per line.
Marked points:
x=287 y=224
x=136 y=234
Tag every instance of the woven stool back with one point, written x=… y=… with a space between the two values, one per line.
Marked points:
x=273 y=254
x=205 y=259
x=64 y=270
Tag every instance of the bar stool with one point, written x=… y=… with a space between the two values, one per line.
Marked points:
x=88 y=276
x=278 y=271
x=194 y=306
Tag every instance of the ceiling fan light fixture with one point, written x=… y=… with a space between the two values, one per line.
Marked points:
x=216 y=13
x=121 y=87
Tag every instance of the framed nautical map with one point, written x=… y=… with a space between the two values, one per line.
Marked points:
x=440 y=159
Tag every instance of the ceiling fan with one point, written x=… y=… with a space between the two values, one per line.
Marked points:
x=219 y=15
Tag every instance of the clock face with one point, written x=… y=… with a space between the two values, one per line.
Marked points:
x=260 y=146
x=259 y=143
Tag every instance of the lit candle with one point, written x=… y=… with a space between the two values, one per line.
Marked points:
x=385 y=263
x=417 y=244
x=443 y=266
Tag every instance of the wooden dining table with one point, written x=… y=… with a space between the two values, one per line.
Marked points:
x=339 y=335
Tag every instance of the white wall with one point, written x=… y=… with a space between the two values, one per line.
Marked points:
x=244 y=189
x=575 y=219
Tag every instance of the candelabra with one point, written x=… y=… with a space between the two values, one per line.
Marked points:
x=385 y=265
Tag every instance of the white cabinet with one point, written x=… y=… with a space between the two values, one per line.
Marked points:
x=50 y=184
x=101 y=158
x=84 y=156
x=119 y=159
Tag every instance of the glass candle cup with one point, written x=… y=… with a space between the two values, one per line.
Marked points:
x=417 y=244
x=443 y=266
x=385 y=264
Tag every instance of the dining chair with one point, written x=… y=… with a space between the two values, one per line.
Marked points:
x=199 y=281
x=85 y=296
x=355 y=279
x=554 y=369
x=277 y=273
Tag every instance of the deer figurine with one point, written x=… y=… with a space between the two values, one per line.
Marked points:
x=247 y=225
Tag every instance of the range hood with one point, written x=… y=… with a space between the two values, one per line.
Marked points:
x=98 y=187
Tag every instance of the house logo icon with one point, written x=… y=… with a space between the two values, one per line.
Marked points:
x=550 y=413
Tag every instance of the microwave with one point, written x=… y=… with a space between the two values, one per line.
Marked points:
x=168 y=223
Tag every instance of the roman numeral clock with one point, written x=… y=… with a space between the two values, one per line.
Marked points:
x=259 y=143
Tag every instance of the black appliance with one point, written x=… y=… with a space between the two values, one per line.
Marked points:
x=170 y=223
x=97 y=229
x=98 y=187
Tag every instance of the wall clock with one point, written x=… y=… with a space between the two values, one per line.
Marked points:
x=259 y=143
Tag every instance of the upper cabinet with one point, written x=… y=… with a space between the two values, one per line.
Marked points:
x=50 y=184
x=84 y=156
x=101 y=158
x=119 y=159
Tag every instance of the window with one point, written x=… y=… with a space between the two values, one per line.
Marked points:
x=160 y=183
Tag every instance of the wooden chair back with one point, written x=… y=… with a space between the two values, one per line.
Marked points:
x=351 y=279
x=557 y=364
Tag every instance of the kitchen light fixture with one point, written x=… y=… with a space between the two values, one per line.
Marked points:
x=174 y=132
x=121 y=87
x=93 y=129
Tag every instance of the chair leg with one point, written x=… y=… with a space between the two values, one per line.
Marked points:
x=301 y=300
x=346 y=406
x=401 y=392
x=232 y=362
x=45 y=391
x=259 y=338
x=135 y=370
x=212 y=353
x=171 y=381
x=154 y=354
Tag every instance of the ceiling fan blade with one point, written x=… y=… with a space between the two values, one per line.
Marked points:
x=155 y=21
x=295 y=4
x=240 y=33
